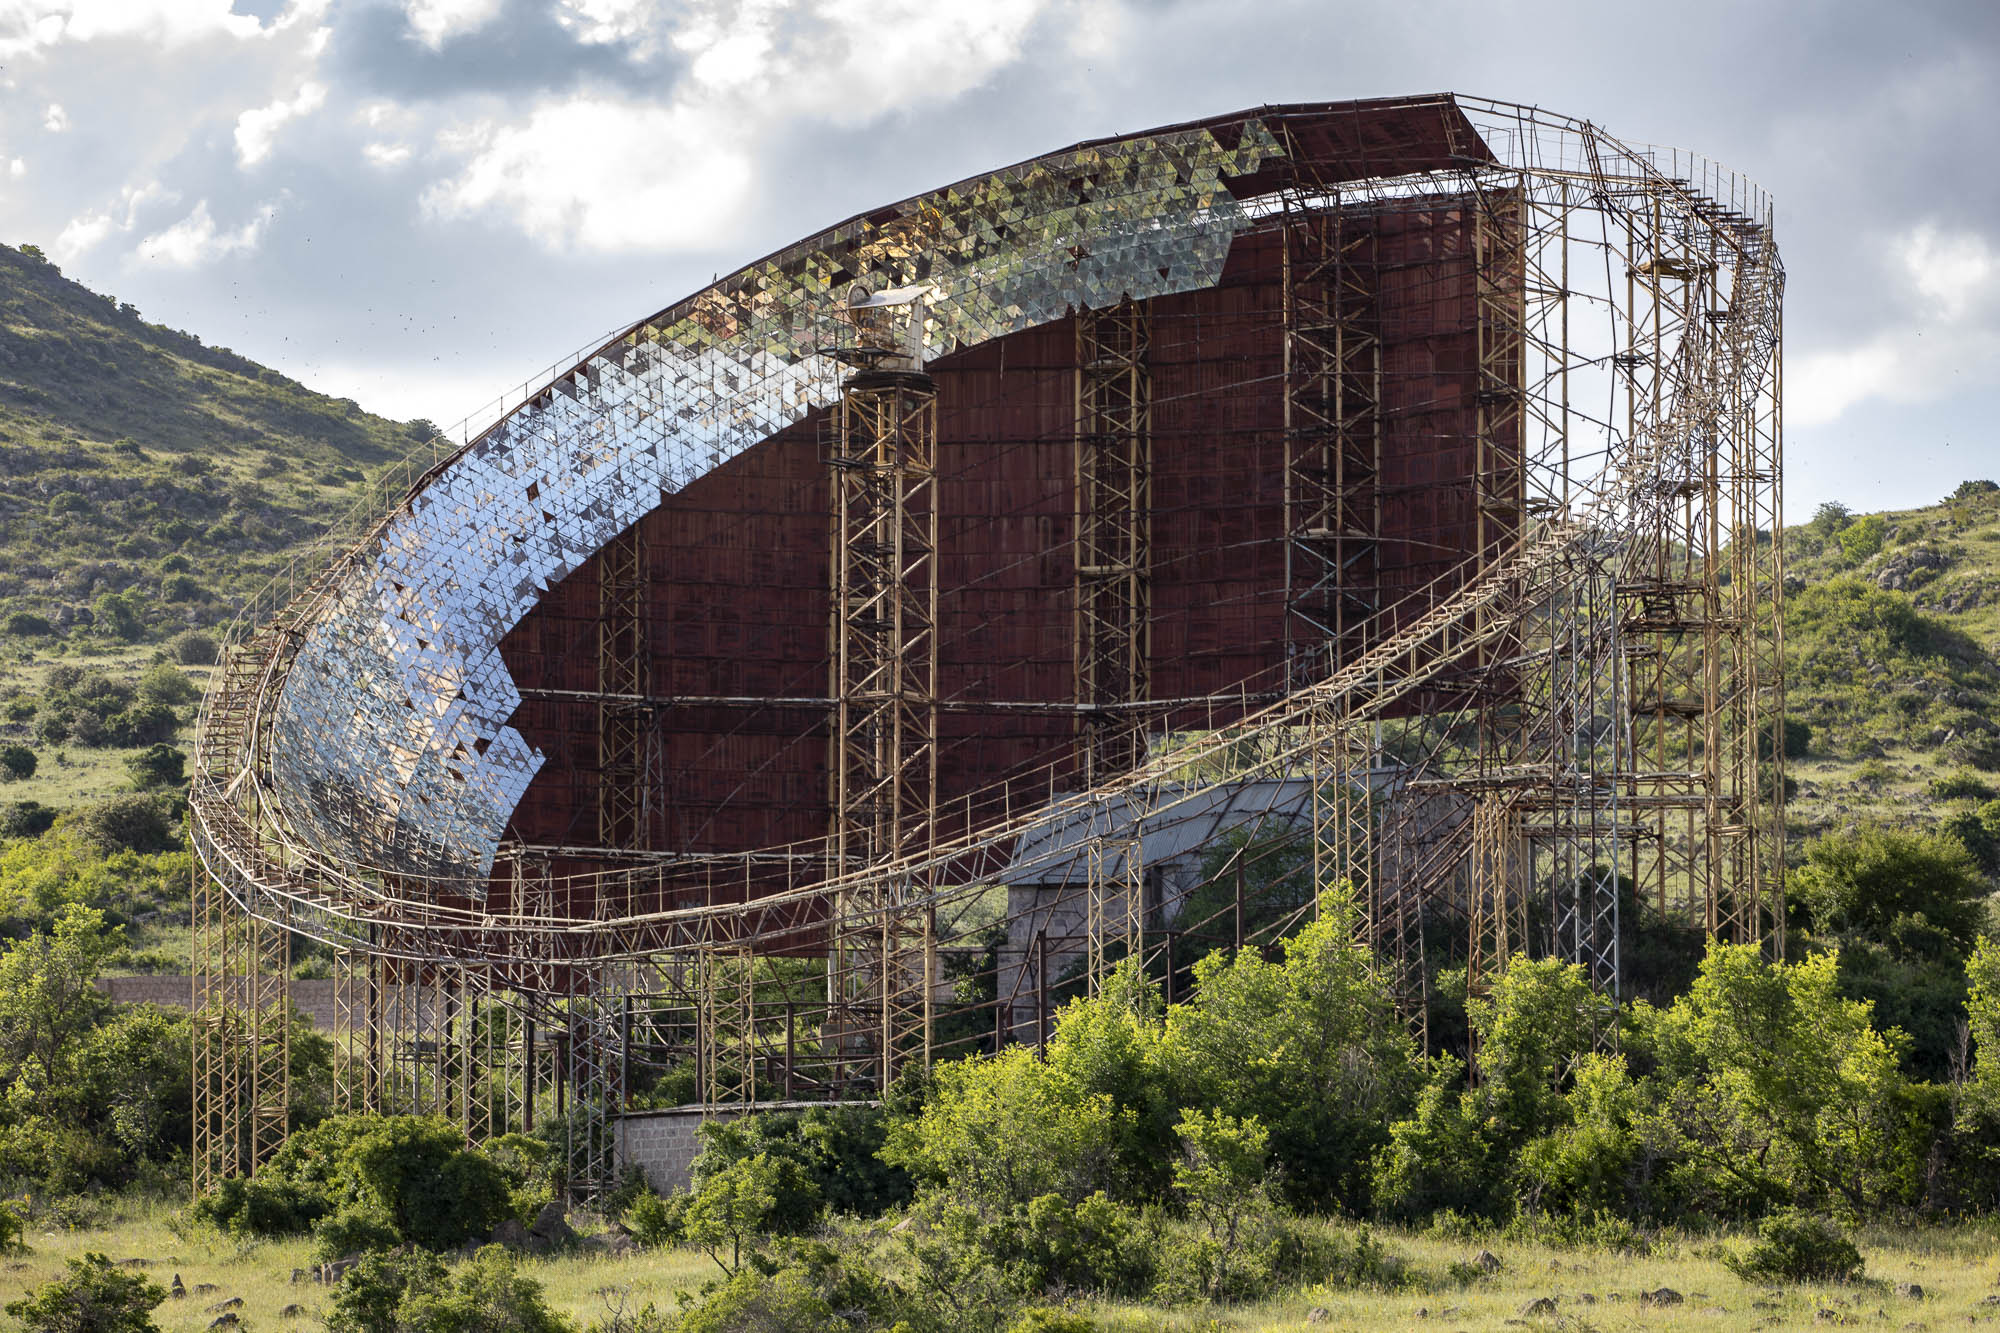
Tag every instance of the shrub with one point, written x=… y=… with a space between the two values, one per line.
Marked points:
x=1954 y=786
x=810 y=1288
x=1869 y=879
x=192 y=647
x=654 y=1220
x=834 y=1149
x=358 y=1228
x=182 y=588
x=25 y=819
x=26 y=624
x=1797 y=1247
x=1863 y=537
x=130 y=823
x=161 y=684
x=118 y=615
x=17 y=763
x=488 y=1295
x=369 y=1293
x=157 y=766
x=94 y=1297
x=412 y=1174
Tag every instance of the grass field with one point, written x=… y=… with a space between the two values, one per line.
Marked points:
x=1593 y=1289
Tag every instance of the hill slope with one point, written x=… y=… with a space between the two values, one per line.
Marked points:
x=1892 y=624
x=148 y=483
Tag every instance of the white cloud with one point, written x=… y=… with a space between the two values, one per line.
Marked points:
x=605 y=175
x=87 y=230
x=386 y=154
x=615 y=175
x=29 y=26
x=257 y=129
x=1950 y=340
x=196 y=240
x=56 y=120
x=437 y=21
x=17 y=168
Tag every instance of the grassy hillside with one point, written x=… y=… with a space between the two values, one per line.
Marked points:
x=148 y=483
x=1892 y=625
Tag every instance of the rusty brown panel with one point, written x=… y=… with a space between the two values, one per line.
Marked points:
x=738 y=560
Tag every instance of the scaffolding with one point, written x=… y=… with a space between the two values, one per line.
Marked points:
x=1494 y=745
x=884 y=660
x=1113 y=498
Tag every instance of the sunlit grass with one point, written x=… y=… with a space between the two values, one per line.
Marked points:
x=1593 y=1288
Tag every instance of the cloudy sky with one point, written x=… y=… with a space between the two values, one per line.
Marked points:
x=420 y=203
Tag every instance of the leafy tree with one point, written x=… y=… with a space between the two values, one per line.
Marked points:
x=118 y=615
x=1541 y=1017
x=1774 y=1089
x=1875 y=880
x=48 y=997
x=1312 y=1047
x=1829 y=518
x=94 y=1297
x=1220 y=1178
x=731 y=1207
x=17 y=763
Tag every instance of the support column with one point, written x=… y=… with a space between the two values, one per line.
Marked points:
x=1113 y=538
x=1333 y=439
x=241 y=1035
x=883 y=745
x=626 y=736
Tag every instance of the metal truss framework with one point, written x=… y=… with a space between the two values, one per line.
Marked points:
x=1587 y=710
x=1113 y=497
x=884 y=656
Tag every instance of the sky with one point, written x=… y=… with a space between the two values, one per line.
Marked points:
x=423 y=204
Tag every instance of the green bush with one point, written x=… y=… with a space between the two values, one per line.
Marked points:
x=192 y=647
x=1868 y=879
x=25 y=819
x=157 y=766
x=357 y=1228
x=1792 y=1246
x=137 y=823
x=1044 y=1319
x=828 y=1155
x=369 y=1294
x=1955 y=786
x=654 y=1220
x=809 y=1288
x=94 y=1297
x=26 y=624
x=160 y=683
x=412 y=1174
x=17 y=763
x=1863 y=537
x=488 y=1295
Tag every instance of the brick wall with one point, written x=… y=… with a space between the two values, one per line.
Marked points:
x=313 y=998
x=664 y=1144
